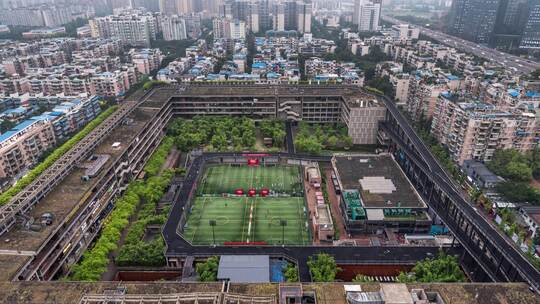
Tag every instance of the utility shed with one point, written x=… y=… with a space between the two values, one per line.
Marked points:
x=244 y=268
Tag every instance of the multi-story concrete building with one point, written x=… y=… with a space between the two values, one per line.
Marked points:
x=401 y=83
x=422 y=97
x=293 y=15
x=146 y=60
x=173 y=27
x=406 y=31
x=473 y=19
x=237 y=29
x=135 y=29
x=531 y=34
x=193 y=25
x=376 y=196
x=368 y=16
x=474 y=130
x=22 y=146
x=45 y=15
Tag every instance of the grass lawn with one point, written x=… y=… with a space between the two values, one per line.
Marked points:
x=243 y=219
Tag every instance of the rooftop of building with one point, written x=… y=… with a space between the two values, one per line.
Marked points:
x=379 y=180
x=479 y=169
x=325 y=293
x=349 y=93
x=66 y=198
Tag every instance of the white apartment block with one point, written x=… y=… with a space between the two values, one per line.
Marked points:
x=367 y=15
x=173 y=27
x=131 y=29
x=406 y=31
x=401 y=84
x=237 y=29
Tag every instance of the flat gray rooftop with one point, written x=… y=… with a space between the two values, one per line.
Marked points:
x=244 y=268
x=379 y=180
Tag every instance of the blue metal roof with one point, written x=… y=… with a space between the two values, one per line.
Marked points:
x=16 y=129
x=532 y=94
x=259 y=65
x=513 y=93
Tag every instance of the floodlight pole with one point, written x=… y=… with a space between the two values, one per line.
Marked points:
x=283 y=223
x=213 y=224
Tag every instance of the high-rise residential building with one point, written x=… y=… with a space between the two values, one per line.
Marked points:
x=193 y=25
x=173 y=27
x=304 y=11
x=50 y=16
x=149 y=5
x=219 y=26
x=511 y=18
x=531 y=34
x=473 y=130
x=236 y=9
x=209 y=7
x=230 y=29
x=238 y=29
x=293 y=15
x=265 y=19
x=254 y=22
x=473 y=20
x=176 y=7
x=279 y=17
x=367 y=14
x=135 y=29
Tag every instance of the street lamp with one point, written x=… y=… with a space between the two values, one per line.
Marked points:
x=212 y=223
x=283 y=223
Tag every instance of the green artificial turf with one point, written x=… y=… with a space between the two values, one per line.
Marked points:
x=221 y=179
x=232 y=217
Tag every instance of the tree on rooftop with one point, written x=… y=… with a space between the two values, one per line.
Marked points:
x=443 y=268
x=207 y=271
x=323 y=268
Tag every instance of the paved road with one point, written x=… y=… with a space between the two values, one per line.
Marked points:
x=289 y=140
x=439 y=177
x=516 y=64
x=177 y=246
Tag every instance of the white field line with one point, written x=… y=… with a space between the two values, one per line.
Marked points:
x=250 y=221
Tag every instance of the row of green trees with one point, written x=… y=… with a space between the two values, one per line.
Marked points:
x=54 y=156
x=274 y=129
x=323 y=268
x=518 y=169
x=221 y=133
x=94 y=261
x=318 y=137
x=443 y=268
x=136 y=251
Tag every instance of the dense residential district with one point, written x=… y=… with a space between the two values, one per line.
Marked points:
x=270 y=151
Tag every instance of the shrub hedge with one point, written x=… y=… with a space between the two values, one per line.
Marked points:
x=94 y=261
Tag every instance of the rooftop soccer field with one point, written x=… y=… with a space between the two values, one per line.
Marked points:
x=243 y=219
x=219 y=179
x=248 y=220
